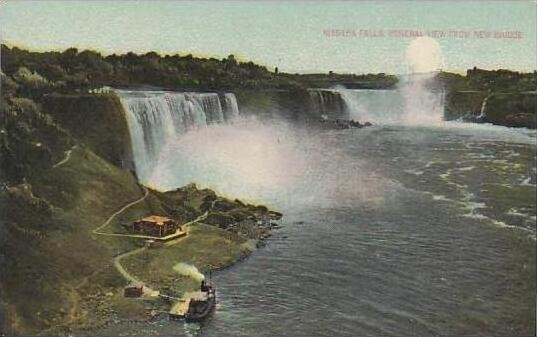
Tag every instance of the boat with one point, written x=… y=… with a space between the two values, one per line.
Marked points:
x=201 y=305
x=196 y=305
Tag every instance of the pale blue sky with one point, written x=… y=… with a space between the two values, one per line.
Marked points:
x=284 y=34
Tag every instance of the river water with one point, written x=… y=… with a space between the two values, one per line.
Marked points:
x=390 y=230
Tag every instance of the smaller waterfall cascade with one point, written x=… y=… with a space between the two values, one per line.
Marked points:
x=231 y=108
x=327 y=102
x=483 y=110
x=156 y=117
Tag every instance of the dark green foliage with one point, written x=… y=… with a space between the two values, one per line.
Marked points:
x=47 y=210
x=21 y=206
x=460 y=104
x=501 y=80
x=29 y=139
x=94 y=120
x=510 y=97
x=490 y=81
x=512 y=109
x=73 y=70
x=350 y=81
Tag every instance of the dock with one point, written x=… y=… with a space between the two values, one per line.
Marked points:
x=180 y=308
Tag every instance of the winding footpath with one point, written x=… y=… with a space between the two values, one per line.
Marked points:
x=117 y=259
x=129 y=277
x=67 y=157
x=72 y=316
x=121 y=210
x=149 y=292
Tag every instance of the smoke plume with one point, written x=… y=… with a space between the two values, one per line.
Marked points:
x=189 y=270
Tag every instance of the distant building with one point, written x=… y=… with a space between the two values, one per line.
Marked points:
x=156 y=225
x=134 y=290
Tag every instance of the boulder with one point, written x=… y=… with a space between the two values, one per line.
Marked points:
x=521 y=120
x=223 y=205
x=219 y=219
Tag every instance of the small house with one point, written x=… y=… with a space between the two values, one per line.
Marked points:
x=134 y=290
x=156 y=225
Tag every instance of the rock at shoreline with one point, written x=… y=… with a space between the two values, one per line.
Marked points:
x=251 y=221
x=219 y=219
x=513 y=109
x=521 y=120
x=338 y=124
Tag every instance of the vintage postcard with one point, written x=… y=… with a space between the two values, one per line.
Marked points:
x=268 y=168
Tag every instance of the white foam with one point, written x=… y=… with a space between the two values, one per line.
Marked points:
x=467 y=168
x=527 y=182
x=414 y=172
x=441 y=198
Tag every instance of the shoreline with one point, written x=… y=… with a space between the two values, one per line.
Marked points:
x=113 y=308
x=95 y=327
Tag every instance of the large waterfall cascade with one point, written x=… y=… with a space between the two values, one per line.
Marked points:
x=416 y=100
x=410 y=103
x=157 y=117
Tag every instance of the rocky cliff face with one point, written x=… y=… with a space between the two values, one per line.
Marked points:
x=509 y=109
x=97 y=121
x=512 y=109
x=461 y=104
x=293 y=105
x=268 y=104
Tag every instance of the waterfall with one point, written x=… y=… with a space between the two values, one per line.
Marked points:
x=365 y=105
x=156 y=117
x=483 y=110
x=410 y=103
x=373 y=105
x=328 y=103
x=231 y=108
x=211 y=106
x=418 y=98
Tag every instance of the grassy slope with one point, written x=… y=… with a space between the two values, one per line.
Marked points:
x=74 y=282
x=82 y=192
x=206 y=247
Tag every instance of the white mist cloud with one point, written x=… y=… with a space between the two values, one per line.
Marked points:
x=274 y=164
x=424 y=55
